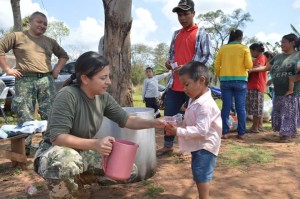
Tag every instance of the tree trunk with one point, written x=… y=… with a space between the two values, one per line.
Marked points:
x=15 y=5
x=118 y=22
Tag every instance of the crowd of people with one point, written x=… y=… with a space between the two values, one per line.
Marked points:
x=75 y=114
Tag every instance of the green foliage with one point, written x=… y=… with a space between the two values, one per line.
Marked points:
x=147 y=182
x=154 y=191
x=219 y=24
x=15 y=171
x=57 y=30
x=137 y=75
x=244 y=156
x=295 y=30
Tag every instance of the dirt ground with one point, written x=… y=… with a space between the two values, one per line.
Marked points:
x=278 y=179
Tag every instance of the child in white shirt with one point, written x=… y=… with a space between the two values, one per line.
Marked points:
x=201 y=130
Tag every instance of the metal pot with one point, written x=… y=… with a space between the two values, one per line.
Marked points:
x=145 y=158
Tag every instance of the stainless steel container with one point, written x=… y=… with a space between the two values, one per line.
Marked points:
x=146 y=154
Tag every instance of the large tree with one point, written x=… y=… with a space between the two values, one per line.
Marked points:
x=15 y=5
x=118 y=23
x=57 y=30
x=219 y=24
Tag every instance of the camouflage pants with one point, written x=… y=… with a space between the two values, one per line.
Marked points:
x=30 y=90
x=67 y=170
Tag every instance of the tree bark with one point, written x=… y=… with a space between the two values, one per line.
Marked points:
x=15 y=5
x=118 y=22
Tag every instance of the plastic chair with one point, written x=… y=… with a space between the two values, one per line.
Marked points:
x=3 y=96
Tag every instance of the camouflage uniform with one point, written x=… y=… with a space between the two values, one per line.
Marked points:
x=66 y=170
x=29 y=89
x=2 y=86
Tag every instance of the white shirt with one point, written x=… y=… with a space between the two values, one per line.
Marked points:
x=150 y=86
x=202 y=126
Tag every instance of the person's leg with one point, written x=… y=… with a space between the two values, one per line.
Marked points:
x=226 y=92
x=93 y=170
x=45 y=95
x=240 y=90
x=24 y=100
x=203 y=165
x=292 y=80
x=59 y=166
x=23 y=104
x=173 y=103
x=203 y=190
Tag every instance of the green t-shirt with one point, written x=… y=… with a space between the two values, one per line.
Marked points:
x=32 y=54
x=72 y=112
x=283 y=66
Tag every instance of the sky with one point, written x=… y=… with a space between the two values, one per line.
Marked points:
x=153 y=20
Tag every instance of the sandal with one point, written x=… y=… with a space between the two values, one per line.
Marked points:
x=225 y=136
x=184 y=156
x=284 y=139
x=261 y=129
x=240 y=137
x=252 y=130
x=164 y=151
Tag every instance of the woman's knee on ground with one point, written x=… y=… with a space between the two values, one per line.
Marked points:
x=60 y=163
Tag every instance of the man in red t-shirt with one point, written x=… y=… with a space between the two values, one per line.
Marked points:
x=256 y=87
x=190 y=43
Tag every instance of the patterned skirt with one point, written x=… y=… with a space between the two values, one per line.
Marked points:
x=254 y=103
x=285 y=115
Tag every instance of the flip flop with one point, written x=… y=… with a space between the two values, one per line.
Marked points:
x=164 y=151
x=185 y=156
x=252 y=131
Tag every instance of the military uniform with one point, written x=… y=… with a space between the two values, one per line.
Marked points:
x=72 y=112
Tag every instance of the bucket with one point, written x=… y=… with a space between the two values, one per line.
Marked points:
x=119 y=163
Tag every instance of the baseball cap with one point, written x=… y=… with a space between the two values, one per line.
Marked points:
x=184 y=5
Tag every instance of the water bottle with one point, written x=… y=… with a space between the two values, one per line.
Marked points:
x=30 y=190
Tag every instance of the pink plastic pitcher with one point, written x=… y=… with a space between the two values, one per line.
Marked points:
x=118 y=164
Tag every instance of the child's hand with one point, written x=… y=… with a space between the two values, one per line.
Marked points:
x=171 y=129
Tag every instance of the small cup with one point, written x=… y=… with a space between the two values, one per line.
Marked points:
x=178 y=118
x=170 y=120
x=174 y=65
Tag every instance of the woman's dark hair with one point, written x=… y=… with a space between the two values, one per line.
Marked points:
x=235 y=35
x=292 y=38
x=258 y=47
x=195 y=70
x=89 y=63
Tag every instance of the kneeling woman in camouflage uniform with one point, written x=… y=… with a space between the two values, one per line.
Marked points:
x=69 y=150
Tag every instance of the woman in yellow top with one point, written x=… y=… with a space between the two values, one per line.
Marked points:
x=232 y=64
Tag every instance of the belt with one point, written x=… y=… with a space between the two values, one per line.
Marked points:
x=34 y=74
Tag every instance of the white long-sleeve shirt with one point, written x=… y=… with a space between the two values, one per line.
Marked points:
x=150 y=86
x=202 y=126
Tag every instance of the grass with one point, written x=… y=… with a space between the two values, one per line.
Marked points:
x=154 y=191
x=242 y=156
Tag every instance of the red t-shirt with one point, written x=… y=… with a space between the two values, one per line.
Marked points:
x=258 y=80
x=184 y=48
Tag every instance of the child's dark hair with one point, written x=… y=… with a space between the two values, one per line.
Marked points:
x=195 y=70
x=292 y=38
x=258 y=47
x=269 y=54
x=89 y=63
x=149 y=68
x=235 y=35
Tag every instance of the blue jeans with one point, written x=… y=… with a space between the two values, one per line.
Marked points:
x=236 y=90
x=173 y=102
